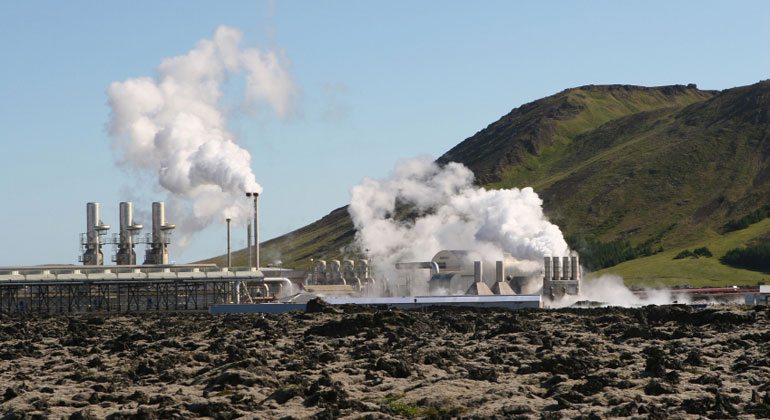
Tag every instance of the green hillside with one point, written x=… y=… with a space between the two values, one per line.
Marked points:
x=666 y=165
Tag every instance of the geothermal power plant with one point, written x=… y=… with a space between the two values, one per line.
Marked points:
x=150 y=282
x=450 y=278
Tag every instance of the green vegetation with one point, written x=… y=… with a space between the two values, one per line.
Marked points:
x=413 y=409
x=754 y=257
x=751 y=218
x=698 y=252
x=330 y=237
x=408 y=410
x=662 y=270
x=596 y=255
x=394 y=397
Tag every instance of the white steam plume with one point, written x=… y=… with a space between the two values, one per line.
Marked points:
x=452 y=213
x=174 y=127
x=609 y=290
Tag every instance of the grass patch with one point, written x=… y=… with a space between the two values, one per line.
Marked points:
x=662 y=270
x=394 y=397
x=408 y=410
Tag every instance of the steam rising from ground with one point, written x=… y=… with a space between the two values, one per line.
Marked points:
x=173 y=126
x=446 y=211
x=609 y=290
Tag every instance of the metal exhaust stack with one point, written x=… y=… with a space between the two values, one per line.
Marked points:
x=501 y=287
x=256 y=227
x=561 y=277
x=229 y=259
x=248 y=240
x=161 y=233
x=126 y=254
x=92 y=255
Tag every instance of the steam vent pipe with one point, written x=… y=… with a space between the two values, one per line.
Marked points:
x=126 y=254
x=94 y=228
x=157 y=253
x=229 y=259
x=565 y=268
x=477 y=271
x=256 y=227
x=248 y=240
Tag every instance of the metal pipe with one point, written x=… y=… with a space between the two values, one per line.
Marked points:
x=433 y=267
x=556 y=266
x=565 y=268
x=256 y=230
x=94 y=228
x=126 y=254
x=248 y=240
x=575 y=272
x=229 y=259
x=286 y=284
x=477 y=271
x=283 y=281
x=157 y=253
x=499 y=272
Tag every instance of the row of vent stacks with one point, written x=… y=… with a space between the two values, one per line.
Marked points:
x=342 y=273
x=561 y=276
x=95 y=236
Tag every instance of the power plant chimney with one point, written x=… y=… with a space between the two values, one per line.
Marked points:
x=229 y=259
x=128 y=229
x=157 y=253
x=248 y=240
x=256 y=227
x=92 y=255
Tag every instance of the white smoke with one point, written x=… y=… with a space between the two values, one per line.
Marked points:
x=450 y=213
x=174 y=126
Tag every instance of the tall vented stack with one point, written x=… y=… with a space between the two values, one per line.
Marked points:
x=319 y=272
x=92 y=255
x=128 y=229
x=229 y=256
x=575 y=273
x=336 y=274
x=157 y=253
x=363 y=270
x=565 y=268
x=547 y=266
x=556 y=266
x=256 y=227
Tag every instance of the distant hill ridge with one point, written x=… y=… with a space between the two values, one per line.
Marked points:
x=666 y=165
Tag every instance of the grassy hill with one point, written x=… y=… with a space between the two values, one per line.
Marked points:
x=664 y=165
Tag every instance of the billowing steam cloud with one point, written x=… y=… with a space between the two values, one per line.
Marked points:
x=448 y=212
x=173 y=126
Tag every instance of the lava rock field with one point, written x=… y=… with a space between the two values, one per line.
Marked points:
x=348 y=362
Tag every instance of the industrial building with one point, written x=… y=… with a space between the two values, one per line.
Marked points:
x=153 y=286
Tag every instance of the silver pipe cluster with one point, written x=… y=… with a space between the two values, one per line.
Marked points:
x=92 y=254
x=128 y=229
x=564 y=268
x=157 y=252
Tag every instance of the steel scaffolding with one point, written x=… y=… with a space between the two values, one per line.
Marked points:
x=58 y=296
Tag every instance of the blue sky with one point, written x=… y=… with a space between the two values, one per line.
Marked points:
x=378 y=81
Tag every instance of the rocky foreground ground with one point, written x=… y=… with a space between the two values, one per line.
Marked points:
x=653 y=362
